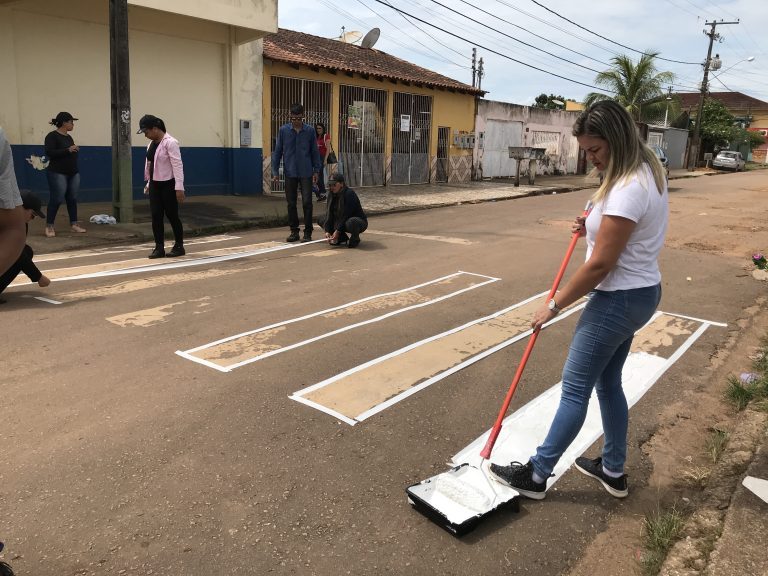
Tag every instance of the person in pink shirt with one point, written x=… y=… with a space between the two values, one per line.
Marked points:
x=164 y=177
x=323 y=143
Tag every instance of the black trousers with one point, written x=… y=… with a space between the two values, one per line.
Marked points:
x=292 y=196
x=163 y=203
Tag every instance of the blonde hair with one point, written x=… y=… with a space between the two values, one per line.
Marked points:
x=610 y=121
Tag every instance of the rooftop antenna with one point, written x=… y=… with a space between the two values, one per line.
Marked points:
x=349 y=37
x=371 y=38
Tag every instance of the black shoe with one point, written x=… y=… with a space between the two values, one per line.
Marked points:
x=615 y=486
x=520 y=477
x=294 y=237
x=307 y=237
x=157 y=253
x=353 y=242
x=5 y=569
x=176 y=251
x=322 y=198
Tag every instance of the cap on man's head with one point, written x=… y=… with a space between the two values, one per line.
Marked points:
x=63 y=117
x=32 y=202
x=148 y=122
x=338 y=177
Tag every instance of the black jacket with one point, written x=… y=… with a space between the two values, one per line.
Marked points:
x=342 y=207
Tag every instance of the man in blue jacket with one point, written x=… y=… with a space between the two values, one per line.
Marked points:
x=297 y=147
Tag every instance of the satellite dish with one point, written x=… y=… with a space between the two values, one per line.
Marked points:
x=370 y=38
x=351 y=36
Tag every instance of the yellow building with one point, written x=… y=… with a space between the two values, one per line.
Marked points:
x=391 y=122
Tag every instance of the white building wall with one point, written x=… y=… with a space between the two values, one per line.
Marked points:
x=527 y=126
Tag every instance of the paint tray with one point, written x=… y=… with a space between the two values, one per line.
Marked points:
x=457 y=500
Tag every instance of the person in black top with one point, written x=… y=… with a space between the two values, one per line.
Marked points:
x=24 y=263
x=63 y=175
x=344 y=215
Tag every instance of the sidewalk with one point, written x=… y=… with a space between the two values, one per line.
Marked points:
x=204 y=215
x=741 y=547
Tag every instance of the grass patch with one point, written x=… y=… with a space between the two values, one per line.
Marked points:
x=716 y=443
x=696 y=476
x=741 y=392
x=661 y=530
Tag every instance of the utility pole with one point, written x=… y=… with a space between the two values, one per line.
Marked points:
x=120 y=84
x=480 y=74
x=693 y=156
x=474 y=66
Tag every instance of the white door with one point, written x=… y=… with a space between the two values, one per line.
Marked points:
x=499 y=136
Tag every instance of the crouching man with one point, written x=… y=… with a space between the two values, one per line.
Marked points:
x=24 y=263
x=344 y=219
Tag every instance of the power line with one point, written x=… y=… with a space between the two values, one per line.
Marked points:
x=608 y=39
x=485 y=47
x=512 y=37
x=532 y=33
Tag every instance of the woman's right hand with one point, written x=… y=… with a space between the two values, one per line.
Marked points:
x=74 y=148
x=579 y=226
x=146 y=190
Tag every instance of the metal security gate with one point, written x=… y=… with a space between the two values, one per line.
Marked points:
x=362 y=124
x=412 y=121
x=443 y=143
x=316 y=98
x=499 y=136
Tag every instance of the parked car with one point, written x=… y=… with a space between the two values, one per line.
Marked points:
x=663 y=157
x=729 y=160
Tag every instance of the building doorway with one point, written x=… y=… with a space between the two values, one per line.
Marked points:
x=362 y=124
x=411 y=129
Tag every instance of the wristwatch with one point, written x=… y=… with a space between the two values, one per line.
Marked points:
x=553 y=306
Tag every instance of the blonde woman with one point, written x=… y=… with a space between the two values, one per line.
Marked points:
x=625 y=232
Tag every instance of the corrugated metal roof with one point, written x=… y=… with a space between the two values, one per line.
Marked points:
x=731 y=100
x=314 y=51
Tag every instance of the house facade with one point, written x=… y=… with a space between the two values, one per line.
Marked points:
x=197 y=65
x=500 y=125
x=391 y=122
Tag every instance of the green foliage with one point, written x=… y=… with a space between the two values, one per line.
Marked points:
x=717 y=127
x=544 y=101
x=660 y=531
x=635 y=85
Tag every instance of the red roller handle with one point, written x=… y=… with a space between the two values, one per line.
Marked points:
x=486 y=452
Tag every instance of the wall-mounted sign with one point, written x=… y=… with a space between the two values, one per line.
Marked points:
x=405 y=122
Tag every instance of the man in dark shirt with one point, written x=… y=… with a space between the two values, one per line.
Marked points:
x=345 y=219
x=24 y=263
x=296 y=146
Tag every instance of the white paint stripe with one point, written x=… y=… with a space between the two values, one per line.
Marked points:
x=405 y=349
x=184 y=263
x=710 y=322
x=335 y=308
x=47 y=300
x=526 y=428
x=322 y=408
x=356 y=325
x=446 y=239
x=122 y=249
x=201 y=361
x=442 y=375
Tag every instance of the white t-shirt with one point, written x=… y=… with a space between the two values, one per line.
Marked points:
x=9 y=189
x=636 y=198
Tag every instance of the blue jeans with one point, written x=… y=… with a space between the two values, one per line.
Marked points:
x=598 y=350
x=63 y=187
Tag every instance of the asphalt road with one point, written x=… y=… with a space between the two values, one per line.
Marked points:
x=120 y=456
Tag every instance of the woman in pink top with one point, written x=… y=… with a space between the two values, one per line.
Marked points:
x=164 y=176
x=323 y=144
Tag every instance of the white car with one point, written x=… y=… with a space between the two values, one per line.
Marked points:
x=729 y=160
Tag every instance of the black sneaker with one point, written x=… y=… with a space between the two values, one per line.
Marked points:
x=353 y=241
x=176 y=251
x=594 y=468
x=157 y=253
x=520 y=477
x=294 y=237
x=307 y=237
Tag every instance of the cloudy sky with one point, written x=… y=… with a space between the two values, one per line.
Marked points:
x=553 y=46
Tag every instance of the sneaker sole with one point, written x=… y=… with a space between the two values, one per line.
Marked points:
x=526 y=493
x=610 y=489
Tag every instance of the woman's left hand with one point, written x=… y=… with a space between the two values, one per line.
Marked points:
x=542 y=316
x=180 y=196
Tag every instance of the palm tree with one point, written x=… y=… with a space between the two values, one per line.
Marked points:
x=637 y=87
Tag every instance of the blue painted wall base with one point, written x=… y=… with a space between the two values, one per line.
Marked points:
x=206 y=171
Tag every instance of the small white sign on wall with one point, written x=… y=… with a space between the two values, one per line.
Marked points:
x=405 y=122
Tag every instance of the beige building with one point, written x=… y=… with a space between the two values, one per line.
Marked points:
x=197 y=65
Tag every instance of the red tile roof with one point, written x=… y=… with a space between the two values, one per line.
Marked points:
x=731 y=100
x=314 y=51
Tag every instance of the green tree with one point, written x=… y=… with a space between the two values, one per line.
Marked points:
x=639 y=87
x=544 y=101
x=717 y=129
